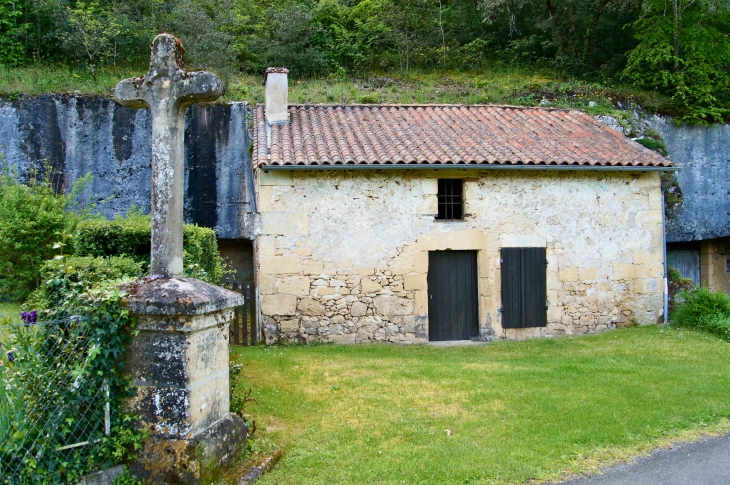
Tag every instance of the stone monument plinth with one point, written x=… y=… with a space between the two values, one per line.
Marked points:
x=178 y=363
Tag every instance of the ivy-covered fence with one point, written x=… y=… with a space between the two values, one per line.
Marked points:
x=61 y=392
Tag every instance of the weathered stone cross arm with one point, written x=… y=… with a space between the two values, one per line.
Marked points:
x=190 y=88
x=167 y=89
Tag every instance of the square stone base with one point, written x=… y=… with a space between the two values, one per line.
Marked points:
x=198 y=460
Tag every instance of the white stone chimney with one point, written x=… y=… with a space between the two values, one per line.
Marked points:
x=277 y=95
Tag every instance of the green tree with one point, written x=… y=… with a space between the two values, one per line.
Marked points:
x=684 y=51
x=92 y=34
x=569 y=28
x=207 y=29
x=12 y=28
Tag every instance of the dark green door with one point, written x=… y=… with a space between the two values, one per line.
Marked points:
x=524 y=287
x=453 y=305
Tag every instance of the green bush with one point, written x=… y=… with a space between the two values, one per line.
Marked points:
x=677 y=285
x=77 y=274
x=33 y=219
x=130 y=236
x=703 y=310
x=49 y=397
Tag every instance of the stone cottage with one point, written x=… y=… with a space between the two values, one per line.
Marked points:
x=410 y=223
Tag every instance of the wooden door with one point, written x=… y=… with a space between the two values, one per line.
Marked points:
x=687 y=262
x=453 y=304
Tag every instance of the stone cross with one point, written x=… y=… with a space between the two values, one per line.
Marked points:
x=167 y=90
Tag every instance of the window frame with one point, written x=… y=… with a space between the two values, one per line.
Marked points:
x=450 y=202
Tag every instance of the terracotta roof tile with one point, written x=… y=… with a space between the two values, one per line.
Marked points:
x=443 y=134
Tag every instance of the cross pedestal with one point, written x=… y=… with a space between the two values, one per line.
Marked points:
x=178 y=361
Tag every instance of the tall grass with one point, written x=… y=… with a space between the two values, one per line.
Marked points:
x=37 y=80
x=495 y=84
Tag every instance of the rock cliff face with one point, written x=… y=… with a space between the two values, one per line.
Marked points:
x=73 y=136
x=703 y=155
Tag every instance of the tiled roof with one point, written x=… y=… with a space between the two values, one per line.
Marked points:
x=443 y=134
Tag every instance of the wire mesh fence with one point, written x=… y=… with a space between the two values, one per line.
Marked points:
x=53 y=409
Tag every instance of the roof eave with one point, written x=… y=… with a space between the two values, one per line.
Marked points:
x=424 y=166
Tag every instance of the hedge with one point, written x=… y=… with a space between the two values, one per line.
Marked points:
x=130 y=237
x=77 y=274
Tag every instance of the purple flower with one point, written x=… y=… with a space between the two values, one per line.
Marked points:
x=29 y=317
x=11 y=357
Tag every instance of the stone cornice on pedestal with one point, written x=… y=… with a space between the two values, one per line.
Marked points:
x=177 y=296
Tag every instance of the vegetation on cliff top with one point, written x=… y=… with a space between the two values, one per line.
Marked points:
x=494 y=85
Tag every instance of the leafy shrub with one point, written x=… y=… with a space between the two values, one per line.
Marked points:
x=73 y=275
x=49 y=398
x=704 y=310
x=677 y=284
x=33 y=217
x=130 y=236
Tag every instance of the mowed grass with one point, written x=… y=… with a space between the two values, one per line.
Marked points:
x=9 y=313
x=517 y=411
x=9 y=310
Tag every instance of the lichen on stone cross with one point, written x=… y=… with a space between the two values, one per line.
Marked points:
x=167 y=90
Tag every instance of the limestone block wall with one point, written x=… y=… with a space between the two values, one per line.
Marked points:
x=714 y=264
x=343 y=255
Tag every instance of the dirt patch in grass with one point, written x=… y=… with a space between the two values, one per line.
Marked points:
x=516 y=412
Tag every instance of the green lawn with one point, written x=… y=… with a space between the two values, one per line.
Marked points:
x=517 y=411
x=7 y=309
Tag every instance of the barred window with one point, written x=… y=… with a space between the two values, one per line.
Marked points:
x=451 y=201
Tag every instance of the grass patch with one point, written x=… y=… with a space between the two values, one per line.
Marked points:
x=494 y=85
x=517 y=411
x=37 y=80
x=9 y=309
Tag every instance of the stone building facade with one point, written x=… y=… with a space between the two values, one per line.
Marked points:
x=343 y=255
x=445 y=222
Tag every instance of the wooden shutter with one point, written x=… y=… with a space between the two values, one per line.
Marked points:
x=524 y=287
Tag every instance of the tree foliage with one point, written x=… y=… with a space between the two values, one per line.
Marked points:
x=684 y=51
x=676 y=47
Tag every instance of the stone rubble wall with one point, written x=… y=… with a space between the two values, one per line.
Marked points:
x=343 y=255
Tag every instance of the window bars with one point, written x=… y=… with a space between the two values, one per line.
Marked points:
x=450 y=200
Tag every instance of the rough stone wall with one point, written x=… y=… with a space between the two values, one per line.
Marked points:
x=343 y=255
x=702 y=154
x=76 y=135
